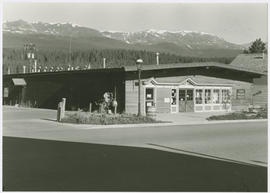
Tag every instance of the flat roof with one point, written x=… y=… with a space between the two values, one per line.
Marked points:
x=145 y=68
x=194 y=65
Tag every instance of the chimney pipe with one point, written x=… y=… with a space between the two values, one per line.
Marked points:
x=104 y=62
x=157 y=56
x=35 y=67
x=24 y=69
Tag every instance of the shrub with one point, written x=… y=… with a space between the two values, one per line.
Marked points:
x=105 y=119
x=262 y=114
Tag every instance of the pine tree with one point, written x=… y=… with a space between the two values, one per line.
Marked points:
x=258 y=46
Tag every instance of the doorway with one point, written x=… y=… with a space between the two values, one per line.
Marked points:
x=149 y=98
x=174 y=108
x=186 y=100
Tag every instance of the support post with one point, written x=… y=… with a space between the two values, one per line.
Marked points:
x=139 y=92
x=35 y=66
x=90 y=107
x=59 y=111
x=104 y=62
x=24 y=69
x=63 y=107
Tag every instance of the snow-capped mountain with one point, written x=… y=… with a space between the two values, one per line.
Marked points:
x=188 y=39
x=63 y=29
x=176 y=42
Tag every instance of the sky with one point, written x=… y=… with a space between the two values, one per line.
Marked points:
x=235 y=22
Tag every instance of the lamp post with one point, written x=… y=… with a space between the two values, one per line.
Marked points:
x=139 y=68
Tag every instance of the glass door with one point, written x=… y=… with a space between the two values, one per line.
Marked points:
x=182 y=100
x=189 y=100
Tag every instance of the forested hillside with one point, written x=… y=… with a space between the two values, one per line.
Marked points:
x=15 y=59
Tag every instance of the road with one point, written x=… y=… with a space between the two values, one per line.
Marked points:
x=40 y=154
x=236 y=142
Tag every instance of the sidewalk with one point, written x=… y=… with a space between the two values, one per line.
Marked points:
x=49 y=116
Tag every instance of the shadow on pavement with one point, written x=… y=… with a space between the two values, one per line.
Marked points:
x=44 y=165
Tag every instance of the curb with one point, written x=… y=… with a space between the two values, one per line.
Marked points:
x=87 y=126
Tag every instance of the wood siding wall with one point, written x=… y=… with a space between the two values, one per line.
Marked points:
x=131 y=99
x=260 y=85
x=161 y=106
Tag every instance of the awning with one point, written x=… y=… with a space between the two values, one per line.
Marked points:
x=19 y=81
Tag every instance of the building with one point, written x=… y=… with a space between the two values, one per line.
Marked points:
x=170 y=88
x=257 y=62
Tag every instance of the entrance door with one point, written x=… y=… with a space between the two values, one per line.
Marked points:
x=149 y=98
x=174 y=101
x=182 y=100
x=186 y=101
x=189 y=100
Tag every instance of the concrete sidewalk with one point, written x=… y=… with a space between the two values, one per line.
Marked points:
x=191 y=118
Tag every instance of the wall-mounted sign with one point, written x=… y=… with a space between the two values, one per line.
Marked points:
x=167 y=100
x=240 y=94
x=149 y=104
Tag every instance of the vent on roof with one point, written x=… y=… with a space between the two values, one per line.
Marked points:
x=258 y=57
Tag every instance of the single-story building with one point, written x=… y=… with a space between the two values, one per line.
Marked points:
x=170 y=88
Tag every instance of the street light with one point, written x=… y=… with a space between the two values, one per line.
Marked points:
x=139 y=68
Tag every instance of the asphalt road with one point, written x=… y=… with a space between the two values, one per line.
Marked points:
x=41 y=154
x=243 y=142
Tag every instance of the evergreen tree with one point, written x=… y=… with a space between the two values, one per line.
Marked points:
x=258 y=46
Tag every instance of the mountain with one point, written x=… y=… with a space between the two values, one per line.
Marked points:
x=186 y=39
x=62 y=29
x=61 y=35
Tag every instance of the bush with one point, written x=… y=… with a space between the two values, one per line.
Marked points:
x=105 y=119
x=262 y=114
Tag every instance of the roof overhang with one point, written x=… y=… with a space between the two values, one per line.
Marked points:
x=19 y=81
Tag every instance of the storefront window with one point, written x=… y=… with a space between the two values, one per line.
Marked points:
x=198 y=97
x=216 y=96
x=225 y=96
x=207 y=98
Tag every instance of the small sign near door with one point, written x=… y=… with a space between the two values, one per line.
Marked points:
x=167 y=100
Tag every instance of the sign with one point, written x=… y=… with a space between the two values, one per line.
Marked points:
x=149 y=104
x=240 y=94
x=167 y=100
x=5 y=92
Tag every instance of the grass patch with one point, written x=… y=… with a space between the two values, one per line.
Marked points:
x=106 y=119
x=240 y=116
